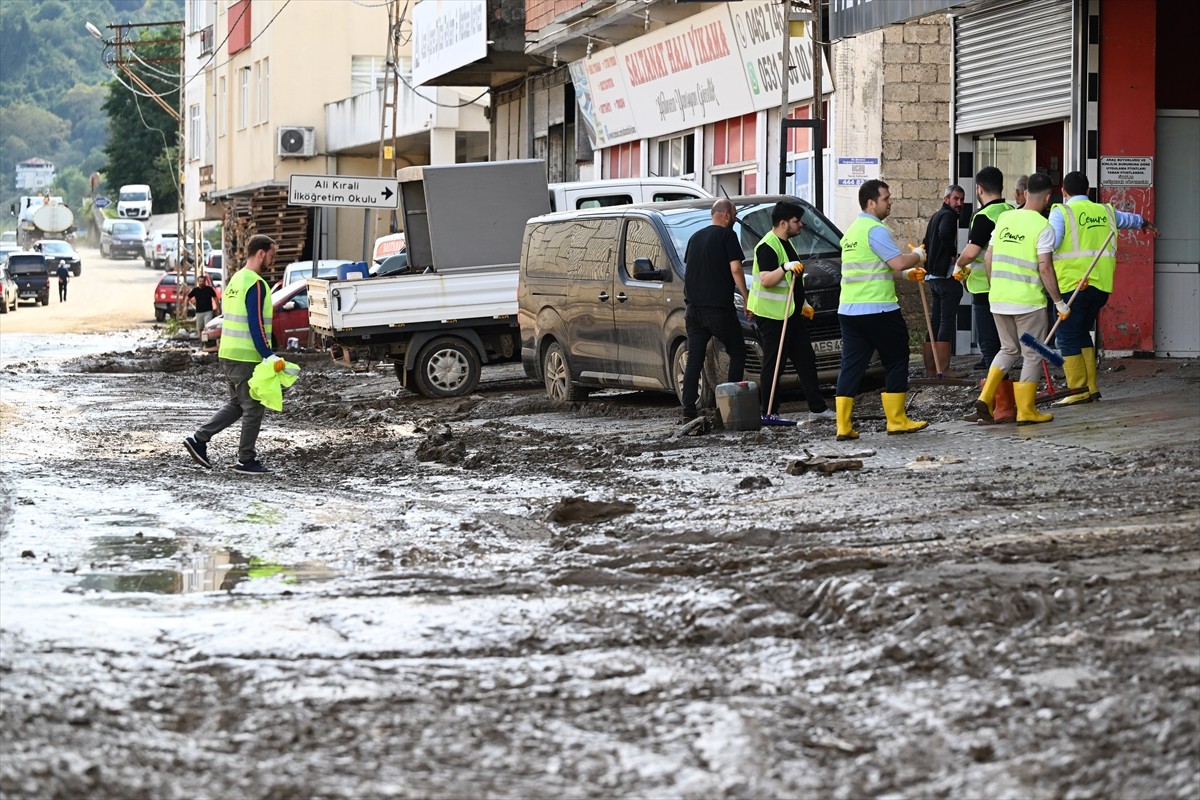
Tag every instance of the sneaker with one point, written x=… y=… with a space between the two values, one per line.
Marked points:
x=251 y=467
x=828 y=414
x=199 y=451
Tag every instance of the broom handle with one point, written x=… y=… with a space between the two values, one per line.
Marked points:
x=787 y=308
x=1082 y=281
x=929 y=327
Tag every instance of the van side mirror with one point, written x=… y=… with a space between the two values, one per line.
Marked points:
x=643 y=270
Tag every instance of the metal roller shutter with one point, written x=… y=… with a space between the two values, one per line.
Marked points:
x=1013 y=65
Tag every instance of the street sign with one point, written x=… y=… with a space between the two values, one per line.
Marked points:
x=101 y=202
x=345 y=191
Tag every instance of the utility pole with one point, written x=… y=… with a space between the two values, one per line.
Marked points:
x=388 y=108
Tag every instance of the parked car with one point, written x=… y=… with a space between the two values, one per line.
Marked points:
x=8 y=291
x=172 y=257
x=58 y=252
x=600 y=295
x=5 y=249
x=32 y=274
x=215 y=264
x=123 y=238
x=156 y=247
x=8 y=237
x=289 y=319
x=165 y=295
x=299 y=270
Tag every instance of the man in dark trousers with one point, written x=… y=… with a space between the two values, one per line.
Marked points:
x=776 y=293
x=64 y=275
x=712 y=272
x=989 y=190
x=941 y=246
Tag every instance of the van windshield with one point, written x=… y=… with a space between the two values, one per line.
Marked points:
x=818 y=238
x=132 y=197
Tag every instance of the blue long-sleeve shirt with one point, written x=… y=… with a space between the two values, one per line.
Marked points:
x=1125 y=220
x=254 y=315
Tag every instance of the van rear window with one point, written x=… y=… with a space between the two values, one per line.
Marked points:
x=578 y=249
x=604 y=201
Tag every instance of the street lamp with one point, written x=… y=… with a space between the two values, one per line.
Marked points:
x=94 y=31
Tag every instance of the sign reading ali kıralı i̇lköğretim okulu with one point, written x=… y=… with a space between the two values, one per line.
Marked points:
x=715 y=65
x=346 y=191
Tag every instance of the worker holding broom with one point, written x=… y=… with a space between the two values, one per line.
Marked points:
x=869 y=311
x=1081 y=228
x=776 y=291
x=1020 y=272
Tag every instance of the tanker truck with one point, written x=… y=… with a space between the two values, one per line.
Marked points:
x=42 y=217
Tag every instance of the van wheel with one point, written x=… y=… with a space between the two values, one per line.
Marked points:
x=708 y=375
x=556 y=371
x=446 y=367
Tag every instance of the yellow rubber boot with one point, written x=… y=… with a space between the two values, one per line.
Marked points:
x=1089 y=365
x=897 y=419
x=1076 y=372
x=986 y=403
x=1025 y=393
x=845 y=409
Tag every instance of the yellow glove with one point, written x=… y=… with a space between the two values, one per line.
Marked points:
x=1063 y=309
x=961 y=273
x=915 y=274
x=807 y=310
x=794 y=267
x=1083 y=284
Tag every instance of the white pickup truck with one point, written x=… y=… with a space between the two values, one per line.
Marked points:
x=456 y=308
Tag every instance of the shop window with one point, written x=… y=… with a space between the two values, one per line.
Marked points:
x=735 y=140
x=677 y=156
x=622 y=160
x=367 y=74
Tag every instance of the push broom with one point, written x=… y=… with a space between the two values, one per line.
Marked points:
x=769 y=418
x=1048 y=353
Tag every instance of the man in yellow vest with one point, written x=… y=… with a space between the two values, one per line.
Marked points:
x=776 y=291
x=1080 y=229
x=1020 y=272
x=869 y=311
x=245 y=343
x=989 y=191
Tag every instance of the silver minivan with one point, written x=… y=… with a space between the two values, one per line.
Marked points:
x=600 y=295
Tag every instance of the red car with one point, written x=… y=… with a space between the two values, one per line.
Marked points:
x=165 y=294
x=289 y=319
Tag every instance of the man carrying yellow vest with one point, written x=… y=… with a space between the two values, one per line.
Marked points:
x=245 y=343
x=1080 y=230
x=869 y=311
x=1021 y=273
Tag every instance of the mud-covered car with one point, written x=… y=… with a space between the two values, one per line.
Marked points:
x=32 y=274
x=123 y=238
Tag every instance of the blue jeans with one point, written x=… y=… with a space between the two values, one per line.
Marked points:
x=705 y=323
x=1075 y=332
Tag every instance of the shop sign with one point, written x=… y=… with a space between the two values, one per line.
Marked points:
x=857 y=171
x=1126 y=171
x=757 y=27
x=447 y=35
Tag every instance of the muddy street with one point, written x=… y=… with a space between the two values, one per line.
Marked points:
x=501 y=596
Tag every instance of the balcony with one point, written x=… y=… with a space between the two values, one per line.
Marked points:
x=352 y=126
x=206 y=40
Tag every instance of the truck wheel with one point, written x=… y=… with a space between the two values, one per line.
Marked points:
x=160 y=315
x=446 y=367
x=708 y=395
x=556 y=371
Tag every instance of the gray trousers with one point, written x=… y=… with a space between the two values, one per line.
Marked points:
x=240 y=406
x=1010 y=327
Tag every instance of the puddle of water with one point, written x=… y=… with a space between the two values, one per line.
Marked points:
x=39 y=347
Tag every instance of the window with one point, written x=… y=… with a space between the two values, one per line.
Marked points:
x=222 y=106
x=677 y=156
x=642 y=241
x=194 y=132
x=623 y=160
x=367 y=74
x=264 y=92
x=198 y=15
x=244 y=116
x=735 y=140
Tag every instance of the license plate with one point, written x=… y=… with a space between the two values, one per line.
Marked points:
x=827 y=346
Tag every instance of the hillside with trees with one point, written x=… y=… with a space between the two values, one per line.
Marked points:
x=61 y=102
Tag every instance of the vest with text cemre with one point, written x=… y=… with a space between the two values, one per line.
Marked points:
x=772 y=302
x=977 y=281
x=866 y=278
x=1016 y=283
x=1086 y=226
x=236 y=342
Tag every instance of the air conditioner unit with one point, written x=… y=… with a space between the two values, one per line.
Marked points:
x=295 y=141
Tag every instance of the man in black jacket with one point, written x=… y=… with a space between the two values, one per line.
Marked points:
x=941 y=247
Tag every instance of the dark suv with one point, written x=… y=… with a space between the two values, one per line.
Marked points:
x=123 y=238
x=32 y=274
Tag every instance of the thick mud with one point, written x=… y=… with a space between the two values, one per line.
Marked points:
x=501 y=596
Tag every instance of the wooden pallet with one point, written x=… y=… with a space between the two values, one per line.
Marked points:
x=266 y=211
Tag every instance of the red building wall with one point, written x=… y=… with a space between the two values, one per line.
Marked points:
x=1127 y=122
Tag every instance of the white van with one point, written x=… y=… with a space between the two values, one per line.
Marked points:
x=386 y=246
x=575 y=195
x=134 y=201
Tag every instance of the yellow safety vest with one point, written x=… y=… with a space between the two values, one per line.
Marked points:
x=977 y=281
x=865 y=277
x=1015 y=278
x=236 y=342
x=1086 y=226
x=770 y=301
